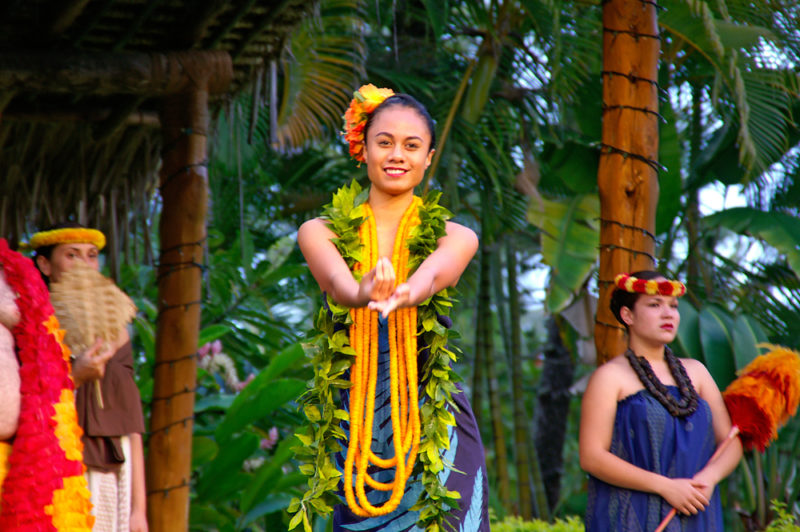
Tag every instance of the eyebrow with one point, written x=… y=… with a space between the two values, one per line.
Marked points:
x=390 y=135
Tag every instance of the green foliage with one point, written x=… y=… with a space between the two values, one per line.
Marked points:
x=724 y=343
x=516 y=524
x=783 y=522
x=569 y=244
x=780 y=230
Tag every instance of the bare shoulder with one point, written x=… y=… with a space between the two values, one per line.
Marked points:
x=462 y=234
x=313 y=229
x=611 y=375
x=695 y=368
x=700 y=376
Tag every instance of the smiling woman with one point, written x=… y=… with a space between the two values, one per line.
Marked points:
x=650 y=422
x=385 y=260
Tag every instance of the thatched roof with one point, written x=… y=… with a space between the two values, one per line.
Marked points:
x=80 y=86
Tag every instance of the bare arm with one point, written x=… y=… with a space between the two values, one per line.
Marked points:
x=441 y=269
x=138 y=491
x=331 y=271
x=598 y=412
x=9 y=367
x=9 y=386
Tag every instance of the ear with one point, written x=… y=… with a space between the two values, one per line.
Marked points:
x=44 y=265
x=627 y=315
x=429 y=159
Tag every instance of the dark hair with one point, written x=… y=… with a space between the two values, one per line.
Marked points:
x=622 y=298
x=405 y=100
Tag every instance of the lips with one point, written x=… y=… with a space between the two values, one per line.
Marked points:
x=394 y=171
x=668 y=327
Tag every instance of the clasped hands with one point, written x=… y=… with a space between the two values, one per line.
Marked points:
x=688 y=495
x=378 y=285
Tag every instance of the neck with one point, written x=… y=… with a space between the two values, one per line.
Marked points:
x=387 y=206
x=652 y=352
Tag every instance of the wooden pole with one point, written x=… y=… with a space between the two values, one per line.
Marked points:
x=184 y=192
x=628 y=169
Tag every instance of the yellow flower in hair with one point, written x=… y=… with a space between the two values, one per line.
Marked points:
x=365 y=100
x=371 y=97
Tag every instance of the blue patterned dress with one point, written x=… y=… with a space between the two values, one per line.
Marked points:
x=466 y=453
x=646 y=435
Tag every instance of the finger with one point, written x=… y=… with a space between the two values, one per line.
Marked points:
x=390 y=275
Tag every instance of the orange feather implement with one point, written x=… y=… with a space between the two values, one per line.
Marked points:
x=764 y=396
x=760 y=400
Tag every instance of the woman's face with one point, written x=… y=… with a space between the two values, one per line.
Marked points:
x=654 y=319
x=64 y=256
x=397 y=149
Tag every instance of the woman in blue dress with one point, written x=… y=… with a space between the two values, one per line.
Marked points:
x=393 y=135
x=650 y=422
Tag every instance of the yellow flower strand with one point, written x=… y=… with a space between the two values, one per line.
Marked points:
x=402 y=377
x=67 y=235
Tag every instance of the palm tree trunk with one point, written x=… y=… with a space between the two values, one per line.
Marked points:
x=553 y=409
x=628 y=172
x=482 y=309
x=499 y=295
x=184 y=193
x=696 y=280
x=522 y=458
x=495 y=404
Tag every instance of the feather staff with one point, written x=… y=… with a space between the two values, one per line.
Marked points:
x=760 y=400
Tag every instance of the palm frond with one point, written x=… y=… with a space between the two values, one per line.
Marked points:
x=322 y=64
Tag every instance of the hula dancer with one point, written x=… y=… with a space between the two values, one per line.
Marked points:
x=650 y=422
x=392 y=439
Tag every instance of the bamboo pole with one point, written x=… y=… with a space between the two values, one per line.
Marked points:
x=628 y=170
x=184 y=192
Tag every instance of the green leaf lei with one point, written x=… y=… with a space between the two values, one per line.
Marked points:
x=332 y=356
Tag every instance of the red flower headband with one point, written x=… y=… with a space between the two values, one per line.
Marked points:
x=364 y=101
x=652 y=287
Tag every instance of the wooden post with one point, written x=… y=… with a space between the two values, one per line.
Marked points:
x=184 y=192
x=628 y=169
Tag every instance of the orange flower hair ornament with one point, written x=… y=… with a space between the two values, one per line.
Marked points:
x=365 y=100
x=760 y=400
x=652 y=287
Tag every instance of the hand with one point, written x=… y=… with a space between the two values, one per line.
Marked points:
x=91 y=364
x=138 y=521
x=400 y=297
x=378 y=284
x=706 y=484
x=687 y=496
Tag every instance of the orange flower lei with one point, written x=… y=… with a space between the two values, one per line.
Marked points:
x=652 y=287
x=67 y=235
x=364 y=101
x=364 y=374
x=44 y=488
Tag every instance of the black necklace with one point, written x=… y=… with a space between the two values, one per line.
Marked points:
x=682 y=407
